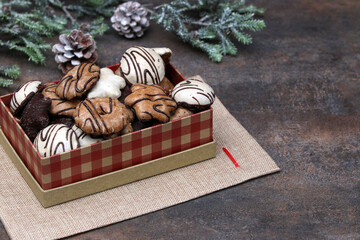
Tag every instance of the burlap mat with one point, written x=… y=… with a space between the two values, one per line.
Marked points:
x=24 y=217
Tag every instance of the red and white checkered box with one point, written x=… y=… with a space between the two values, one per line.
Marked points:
x=110 y=155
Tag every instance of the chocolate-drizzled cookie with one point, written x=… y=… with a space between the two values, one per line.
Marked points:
x=54 y=139
x=23 y=95
x=142 y=65
x=150 y=103
x=78 y=81
x=193 y=94
x=102 y=116
x=59 y=106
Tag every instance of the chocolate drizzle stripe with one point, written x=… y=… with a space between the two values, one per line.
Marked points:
x=47 y=134
x=142 y=76
x=146 y=112
x=146 y=53
x=60 y=144
x=151 y=62
x=153 y=67
x=82 y=67
x=82 y=135
x=147 y=72
x=53 y=139
x=90 y=110
x=148 y=99
x=196 y=100
x=155 y=107
x=177 y=90
x=64 y=110
x=49 y=137
x=207 y=96
x=110 y=106
x=69 y=80
x=95 y=114
x=194 y=79
x=155 y=95
x=102 y=120
x=91 y=123
x=129 y=69
x=173 y=106
x=134 y=64
x=14 y=103
x=65 y=81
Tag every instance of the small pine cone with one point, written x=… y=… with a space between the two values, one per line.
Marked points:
x=130 y=19
x=74 y=49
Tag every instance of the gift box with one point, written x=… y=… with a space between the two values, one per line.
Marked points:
x=110 y=163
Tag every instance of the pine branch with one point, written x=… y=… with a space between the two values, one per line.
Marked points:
x=25 y=29
x=209 y=24
x=94 y=7
x=8 y=74
x=25 y=25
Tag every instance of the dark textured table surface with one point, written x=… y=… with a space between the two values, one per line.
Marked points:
x=296 y=89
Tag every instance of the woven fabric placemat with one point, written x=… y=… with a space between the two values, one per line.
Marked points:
x=24 y=217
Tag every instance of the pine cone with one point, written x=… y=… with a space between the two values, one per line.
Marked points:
x=74 y=49
x=130 y=19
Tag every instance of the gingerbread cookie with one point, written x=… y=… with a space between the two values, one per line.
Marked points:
x=127 y=129
x=102 y=116
x=193 y=94
x=142 y=65
x=54 y=139
x=59 y=106
x=180 y=113
x=23 y=95
x=78 y=81
x=150 y=102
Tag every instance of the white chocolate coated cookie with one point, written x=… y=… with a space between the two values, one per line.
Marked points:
x=54 y=139
x=22 y=94
x=193 y=93
x=142 y=65
x=85 y=139
x=109 y=85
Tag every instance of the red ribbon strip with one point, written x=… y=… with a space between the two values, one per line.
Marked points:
x=231 y=157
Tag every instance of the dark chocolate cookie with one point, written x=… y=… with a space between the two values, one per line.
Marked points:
x=78 y=81
x=35 y=115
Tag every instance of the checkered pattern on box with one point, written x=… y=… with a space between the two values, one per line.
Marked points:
x=109 y=155
x=127 y=150
x=18 y=139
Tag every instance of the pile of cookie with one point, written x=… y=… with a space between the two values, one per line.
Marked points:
x=90 y=104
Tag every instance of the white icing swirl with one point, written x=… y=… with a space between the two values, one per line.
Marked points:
x=142 y=65
x=193 y=92
x=20 y=95
x=54 y=139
